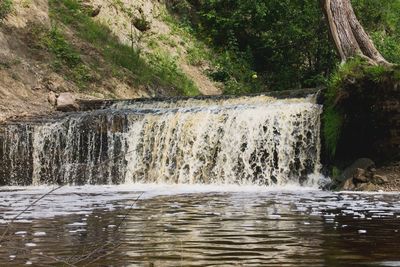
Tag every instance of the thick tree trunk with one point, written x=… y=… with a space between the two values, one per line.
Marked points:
x=348 y=34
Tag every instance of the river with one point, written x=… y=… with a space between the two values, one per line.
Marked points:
x=198 y=225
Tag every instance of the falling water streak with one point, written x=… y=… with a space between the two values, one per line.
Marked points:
x=249 y=140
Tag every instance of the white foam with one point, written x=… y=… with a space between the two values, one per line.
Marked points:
x=84 y=199
x=39 y=233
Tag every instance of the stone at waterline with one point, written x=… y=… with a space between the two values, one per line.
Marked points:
x=379 y=179
x=366 y=187
x=360 y=176
x=67 y=102
x=348 y=185
x=349 y=172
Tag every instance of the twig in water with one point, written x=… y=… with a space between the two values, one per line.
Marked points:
x=43 y=256
x=50 y=192
x=108 y=243
x=26 y=209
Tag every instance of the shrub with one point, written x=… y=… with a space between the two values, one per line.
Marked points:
x=5 y=8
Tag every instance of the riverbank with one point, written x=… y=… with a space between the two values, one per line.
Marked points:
x=93 y=51
x=392 y=173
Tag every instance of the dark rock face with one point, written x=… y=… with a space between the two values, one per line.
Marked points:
x=371 y=110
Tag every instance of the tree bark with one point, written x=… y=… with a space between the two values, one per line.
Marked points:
x=349 y=36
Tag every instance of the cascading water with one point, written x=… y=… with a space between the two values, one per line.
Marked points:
x=248 y=140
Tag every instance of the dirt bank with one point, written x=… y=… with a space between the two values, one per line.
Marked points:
x=34 y=40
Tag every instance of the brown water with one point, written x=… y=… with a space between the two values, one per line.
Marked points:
x=199 y=226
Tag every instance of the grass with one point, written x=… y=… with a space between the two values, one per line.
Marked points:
x=66 y=59
x=142 y=71
x=5 y=8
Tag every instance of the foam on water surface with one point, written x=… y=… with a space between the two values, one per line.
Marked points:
x=84 y=199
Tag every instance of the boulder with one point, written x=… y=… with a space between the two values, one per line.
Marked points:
x=366 y=187
x=67 y=102
x=360 y=176
x=348 y=185
x=349 y=172
x=379 y=179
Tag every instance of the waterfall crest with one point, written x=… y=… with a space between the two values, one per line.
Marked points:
x=248 y=140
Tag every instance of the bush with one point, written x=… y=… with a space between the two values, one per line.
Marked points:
x=5 y=8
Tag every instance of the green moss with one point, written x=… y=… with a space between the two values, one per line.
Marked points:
x=336 y=172
x=332 y=127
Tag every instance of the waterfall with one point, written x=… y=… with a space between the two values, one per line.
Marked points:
x=248 y=140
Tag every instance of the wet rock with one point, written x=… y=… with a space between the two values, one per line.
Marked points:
x=349 y=172
x=67 y=102
x=366 y=187
x=360 y=176
x=348 y=185
x=379 y=179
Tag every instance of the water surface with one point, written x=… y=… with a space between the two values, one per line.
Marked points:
x=199 y=226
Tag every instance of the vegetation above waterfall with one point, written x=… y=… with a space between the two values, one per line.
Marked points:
x=284 y=42
x=125 y=49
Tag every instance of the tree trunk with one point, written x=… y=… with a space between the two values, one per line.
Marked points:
x=348 y=34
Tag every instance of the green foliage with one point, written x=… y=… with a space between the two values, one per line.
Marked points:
x=231 y=68
x=5 y=8
x=56 y=43
x=382 y=21
x=284 y=42
x=70 y=13
x=168 y=73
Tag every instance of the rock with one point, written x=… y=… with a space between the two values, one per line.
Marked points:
x=141 y=23
x=366 y=187
x=52 y=98
x=360 y=176
x=67 y=102
x=362 y=163
x=36 y=87
x=348 y=185
x=379 y=179
x=96 y=11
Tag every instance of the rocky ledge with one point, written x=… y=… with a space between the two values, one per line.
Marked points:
x=363 y=175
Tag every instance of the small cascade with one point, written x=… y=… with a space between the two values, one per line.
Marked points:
x=249 y=140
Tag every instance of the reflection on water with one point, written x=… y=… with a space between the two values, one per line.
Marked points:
x=194 y=227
